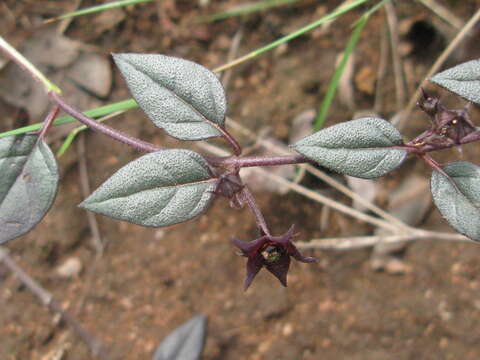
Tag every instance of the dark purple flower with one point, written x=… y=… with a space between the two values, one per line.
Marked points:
x=447 y=124
x=273 y=252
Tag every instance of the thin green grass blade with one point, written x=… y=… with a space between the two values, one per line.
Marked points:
x=293 y=35
x=351 y=45
x=97 y=8
x=332 y=87
x=95 y=113
x=244 y=10
x=68 y=141
x=131 y=104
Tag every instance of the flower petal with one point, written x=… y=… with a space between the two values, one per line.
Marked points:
x=280 y=268
x=254 y=264
x=293 y=252
x=249 y=247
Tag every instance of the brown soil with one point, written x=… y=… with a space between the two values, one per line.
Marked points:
x=149 y=281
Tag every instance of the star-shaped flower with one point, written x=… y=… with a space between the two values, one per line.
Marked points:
x=449 y=124
x=273 y=252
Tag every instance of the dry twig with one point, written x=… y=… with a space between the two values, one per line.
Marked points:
x=94 y=345
x=400 y=88
x=444 y=13
x=92 y=222
x=86 y=191
x=358 y=242
x=65 y=23
x=232 y=54
x=436 y=66
x=382 y=71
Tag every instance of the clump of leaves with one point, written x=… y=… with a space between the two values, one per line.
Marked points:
x=170 y=186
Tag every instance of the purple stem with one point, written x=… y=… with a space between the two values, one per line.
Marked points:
x=237 y=149
x=422 y=149
x=252 y=204
x=436 y=166
x=48 y=121
x=235 y=162
x=104 y=129
x=257 y=161
x=474 y=136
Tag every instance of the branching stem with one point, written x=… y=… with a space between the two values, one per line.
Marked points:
x=47 y=300
x=416 y=147
x=48 y=121
x=237 y=149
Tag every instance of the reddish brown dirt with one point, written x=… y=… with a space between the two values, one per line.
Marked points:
x=149 y=281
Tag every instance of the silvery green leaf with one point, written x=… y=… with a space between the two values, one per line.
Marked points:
x=185 y=342
x=158 y=189
x=459 y=204
x=362 y=148
x=180 y=96
x=463 y=80
x=28 y=184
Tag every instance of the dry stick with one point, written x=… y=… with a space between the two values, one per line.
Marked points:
x=327 y=24
x=63 y=25
x=436 y=66
x=444 y=13
x=46 y=298
x=359 y=242
x=312 y=194
x=354 y=196
x=232 y=54
x=330 y=181
x=85 y=190
x=331 y=203
x=92 y=223
x=382 y=71
x=400 y=88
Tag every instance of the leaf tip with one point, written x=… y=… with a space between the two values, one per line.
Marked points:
x=85 y=204
x=117 y=57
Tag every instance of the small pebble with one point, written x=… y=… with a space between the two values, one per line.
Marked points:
x=159 y=234
x=287 y=329
x=70 y=268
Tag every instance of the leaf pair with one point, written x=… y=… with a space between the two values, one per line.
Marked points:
x=158 y=189
x=170 y=186
x=458 y=197
x=188 y=102
x=366 y=148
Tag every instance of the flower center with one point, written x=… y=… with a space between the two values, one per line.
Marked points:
x=271 y=254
